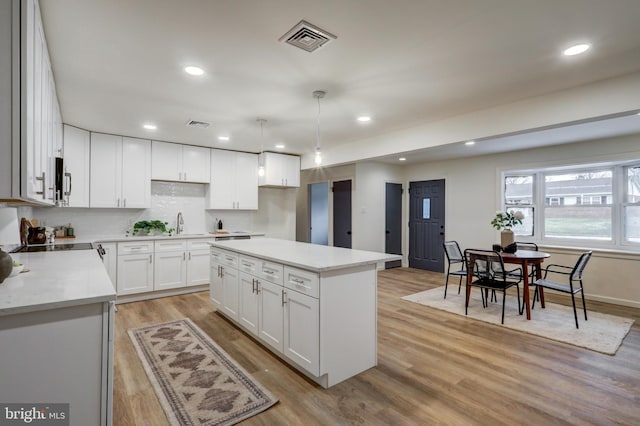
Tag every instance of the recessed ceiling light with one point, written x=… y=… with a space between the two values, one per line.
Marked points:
x=280 y=146
x=469 y=143
x=364 y=119
x=150 y=126
x=193 y=70
x=223 y=138
x=402 y=159
x=576 y=50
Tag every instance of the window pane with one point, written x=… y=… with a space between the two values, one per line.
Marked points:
x=632 y=223
x=527 y=223
x=633 y=185
x=426 y=208
x=571 y=189
x=588 y=222
x=518 y=190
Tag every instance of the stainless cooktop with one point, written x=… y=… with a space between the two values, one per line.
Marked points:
x=54 y=247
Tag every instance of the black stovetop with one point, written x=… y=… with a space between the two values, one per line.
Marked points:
x=54 y=247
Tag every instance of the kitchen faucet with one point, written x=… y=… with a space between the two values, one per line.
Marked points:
x=179 y=224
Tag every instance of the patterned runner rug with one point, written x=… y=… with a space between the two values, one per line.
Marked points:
x=601 y=333
x=197 y=383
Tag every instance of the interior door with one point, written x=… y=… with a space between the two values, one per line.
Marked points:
x=342 y=213
x=426 y=225
x=393 y=222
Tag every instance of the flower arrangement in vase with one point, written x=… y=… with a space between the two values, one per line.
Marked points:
x=503 y=222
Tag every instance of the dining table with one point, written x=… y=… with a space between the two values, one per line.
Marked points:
x=526 y=258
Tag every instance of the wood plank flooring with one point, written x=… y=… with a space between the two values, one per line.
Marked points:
x=433 y=368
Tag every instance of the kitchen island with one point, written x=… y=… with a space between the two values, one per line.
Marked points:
x=314 y=306
x=56 y=334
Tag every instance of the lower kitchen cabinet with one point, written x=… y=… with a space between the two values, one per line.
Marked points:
x=170 y=270
x=301 y=327
x=230 y=293
x=198 y=262
x=135 y=268
x=271 y=319
x=249 y=302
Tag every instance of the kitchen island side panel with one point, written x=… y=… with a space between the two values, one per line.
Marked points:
x=348 y=322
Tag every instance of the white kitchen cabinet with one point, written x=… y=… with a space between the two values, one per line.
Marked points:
x=230 y=292
x=135 y=268
x=198 y=262
x=216 y=288
x=249 y=302
x=120 y=172
x=271 y=318
x=110 y=260
x=182 y=163
x=170 y=270
x=224 y=282
x=302 y=330
x=76 y=154
x=280 y=170
x=234 y=181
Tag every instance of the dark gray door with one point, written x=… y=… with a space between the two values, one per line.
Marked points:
x=342 y=213
x=393 y=222
x=426 y=225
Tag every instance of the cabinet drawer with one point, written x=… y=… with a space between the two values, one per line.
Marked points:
x=302 y=281
x=270 y=271
x=250 y=265
x=170 y=245
x=135 y=247
x=224 y=257
x=198 y=244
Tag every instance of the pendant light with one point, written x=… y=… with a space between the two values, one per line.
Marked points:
x=261 y=156
x=318 y=94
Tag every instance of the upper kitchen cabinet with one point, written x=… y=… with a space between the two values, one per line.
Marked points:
x=280 y=170
x=30 y=118
x=76 y=150
x=120 y=172
x=182 y=163
x=234 y=181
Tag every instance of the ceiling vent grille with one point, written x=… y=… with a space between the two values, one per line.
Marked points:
x=198 y=124
x=307 y=36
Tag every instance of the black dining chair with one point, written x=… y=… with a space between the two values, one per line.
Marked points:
x=455 y=259
x=574 y=282
x=489 y=273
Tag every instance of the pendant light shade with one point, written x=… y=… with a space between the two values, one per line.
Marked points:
x=318 y=94
x=261 y=157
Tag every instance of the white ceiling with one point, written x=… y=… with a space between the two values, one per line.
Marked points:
x=119 y=64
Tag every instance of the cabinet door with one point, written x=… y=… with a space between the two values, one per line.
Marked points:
x=230 y=292
x=291 y=168
x=197 y=267
x=216 y=289
x=135 y=274
x=248 y=309
x=136 y=171
x=106 y=170
x=270 y=321
x=273 y=170
x=246 y=178
x=302 y=331
x=166 y=161
x=76 y=165
x=196 y=164
x=221 y=192
x=170 y=270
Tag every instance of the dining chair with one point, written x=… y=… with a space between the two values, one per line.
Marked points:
x=455 y=259
x=574 y=286
x=485 y=270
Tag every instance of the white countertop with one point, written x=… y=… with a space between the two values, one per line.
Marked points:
x=313 y=257
x=55 y=280
x=124 y=238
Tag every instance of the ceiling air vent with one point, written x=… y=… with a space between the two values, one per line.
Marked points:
x=307 y=36
x=198 y=124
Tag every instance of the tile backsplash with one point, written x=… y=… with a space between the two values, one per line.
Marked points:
x=275 y=215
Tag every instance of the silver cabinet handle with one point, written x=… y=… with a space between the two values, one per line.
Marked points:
x=118 y=202
x=266 y=271
x=189 y=255
x=150 y=258
x=253 y=285
x=44 y=185
x=124 y=203
x=67 y=193
x=185 y=175
x=221 y=271
x=179 y=175
x=284 y=297
x=184 y=256
x=297 y=281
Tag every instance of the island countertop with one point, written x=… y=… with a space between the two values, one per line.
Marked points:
x=55 y=280
x=313 y=257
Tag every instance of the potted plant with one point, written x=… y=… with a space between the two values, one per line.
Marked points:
x=150 y=227
x=503 y=222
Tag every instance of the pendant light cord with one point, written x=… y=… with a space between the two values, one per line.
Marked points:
x=318 y=128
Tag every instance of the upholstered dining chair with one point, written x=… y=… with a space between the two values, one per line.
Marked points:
x=574 y=285
x=485 y=270
x=455 y=260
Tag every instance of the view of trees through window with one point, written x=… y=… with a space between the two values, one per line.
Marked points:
x=601 y=204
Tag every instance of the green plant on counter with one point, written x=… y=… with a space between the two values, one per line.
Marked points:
x=150 y=226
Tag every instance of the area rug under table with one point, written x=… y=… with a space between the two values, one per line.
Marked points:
x=602 y=333
x=197 y=383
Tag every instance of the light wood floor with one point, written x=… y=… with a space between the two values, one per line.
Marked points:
x=433 y=368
